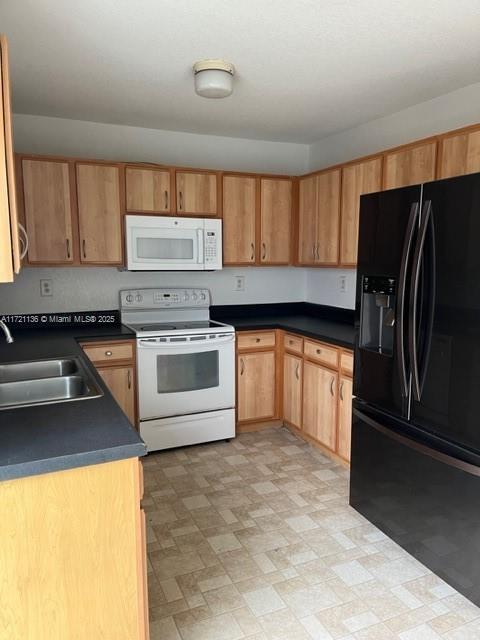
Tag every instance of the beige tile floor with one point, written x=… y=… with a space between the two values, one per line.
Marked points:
x=255 y=539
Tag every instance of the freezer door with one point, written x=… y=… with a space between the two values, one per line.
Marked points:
x=389 y=223
x=445 y=313
x=425 y=500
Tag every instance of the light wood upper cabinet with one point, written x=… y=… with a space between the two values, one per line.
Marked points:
x=276 y=220
x=99 y=213
x=328 y=217
x=320 y=403
x=196 y=193
x=307 y=220
x=239 y=206
x=9 y=236
x=459 y=154
x=48 y=209
x=256 y=385
x=147 y=190
x=292 y=389
x=357 y=179
x=121 y=383
x=410 y=165
x=344 y=417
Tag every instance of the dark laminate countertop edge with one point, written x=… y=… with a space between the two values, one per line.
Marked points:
x=292 y=328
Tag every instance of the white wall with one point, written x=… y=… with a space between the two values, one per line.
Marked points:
x=40 y=134
x=97 y=288
x=450 y=111
x=322 y=287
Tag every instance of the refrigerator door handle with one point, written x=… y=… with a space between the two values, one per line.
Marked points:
x=418 y=446
x=418 y=378
x=402 y=284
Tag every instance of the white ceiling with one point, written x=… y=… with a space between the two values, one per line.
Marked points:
x=306 y=68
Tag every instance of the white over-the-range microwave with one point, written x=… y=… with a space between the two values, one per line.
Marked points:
x=159 y=243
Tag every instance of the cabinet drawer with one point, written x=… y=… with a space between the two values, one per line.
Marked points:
x=259 y=339
x=346 y=363
x=109 y=352
x=293 y=343
x=321 y=353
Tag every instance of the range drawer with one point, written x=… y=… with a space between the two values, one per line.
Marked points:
x=321 y=353
x=346 y=363
x=255 y=340
x=293 y=343
x=109 y=351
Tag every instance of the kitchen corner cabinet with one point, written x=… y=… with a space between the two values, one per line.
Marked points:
x=148 y=190
x=239 y=219
x=73 y=554
x=48 y=211
x=10 y=260
x=412 y=164
x=319 y=219
x=196 y=193
x=357 y=179
x=275 y=220
x=256 y=376
x=99 y=213
x=459 y=153
x=116 y=364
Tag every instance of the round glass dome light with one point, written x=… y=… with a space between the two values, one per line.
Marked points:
x=213 y=78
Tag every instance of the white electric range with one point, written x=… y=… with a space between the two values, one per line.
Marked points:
x=186 y=367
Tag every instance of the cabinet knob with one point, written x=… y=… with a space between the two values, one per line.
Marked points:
x=319 y=351
x=257 y=339
x=108 y=353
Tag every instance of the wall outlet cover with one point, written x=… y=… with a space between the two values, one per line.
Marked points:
x=342 y=283
x=46 y=288
x=239 y=283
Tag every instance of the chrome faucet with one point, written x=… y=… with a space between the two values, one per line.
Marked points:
x=6 y=331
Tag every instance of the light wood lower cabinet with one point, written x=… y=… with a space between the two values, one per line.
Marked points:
x=344 y=417
x=121 y=383
x=72 y=559
x=292 y=389
x=320 y=403
x=256 y=385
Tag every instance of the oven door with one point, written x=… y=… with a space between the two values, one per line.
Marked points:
x=188 y=374
x=154 y=245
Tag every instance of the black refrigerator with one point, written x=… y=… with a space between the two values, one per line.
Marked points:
x=415 y=462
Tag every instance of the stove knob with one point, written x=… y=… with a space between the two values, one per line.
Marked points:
x=185 y=296
x=129 y=298
x=194 y=297
x=138 y=297
x=203 y=296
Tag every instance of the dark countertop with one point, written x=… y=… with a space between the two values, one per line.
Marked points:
x=327 y=324
x=47 y=438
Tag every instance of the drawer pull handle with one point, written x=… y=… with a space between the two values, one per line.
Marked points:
x=257 y=339
x=319 y=351
x=331 y=386
x=291 y=342
x=108 y=353
x=341 y=391
x=129 y=379
x=242 y=366
x=297 y=375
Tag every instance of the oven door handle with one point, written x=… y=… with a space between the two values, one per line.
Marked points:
x=195 y=345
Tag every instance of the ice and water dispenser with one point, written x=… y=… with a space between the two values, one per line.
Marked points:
x=378 y=314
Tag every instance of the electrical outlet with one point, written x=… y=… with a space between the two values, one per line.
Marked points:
x=46 y=288
x=342 y=284
x=239 y=283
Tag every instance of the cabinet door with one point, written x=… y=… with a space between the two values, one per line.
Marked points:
x=459 y=154
x=344 y=417
x=48 y=211
x=411 y=165
x=307 y=220
x=256 y=385
x=238 y=220
x=328 y=217
x=196 y=193
x=276 y=220
x=121 y=383
x=147 y=190
x=9 y=240
x=357 y=179
x=292 y=389
x=320 y=403
x=98 y=191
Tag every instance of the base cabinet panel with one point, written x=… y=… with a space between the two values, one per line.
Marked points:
x=256 y=385
x=344 y=417
x=320 y=404
x=121 y=383
x=292 y=389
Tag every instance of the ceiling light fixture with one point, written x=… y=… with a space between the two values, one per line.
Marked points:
x=213 y=78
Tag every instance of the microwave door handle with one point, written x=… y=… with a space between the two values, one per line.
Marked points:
x=200 y=245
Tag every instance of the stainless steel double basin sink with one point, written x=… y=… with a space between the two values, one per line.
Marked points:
x=38 y=382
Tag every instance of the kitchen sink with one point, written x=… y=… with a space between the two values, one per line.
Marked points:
x=40 y=382
x=37 y=369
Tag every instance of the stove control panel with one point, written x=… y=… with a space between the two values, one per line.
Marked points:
x=164 y=298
